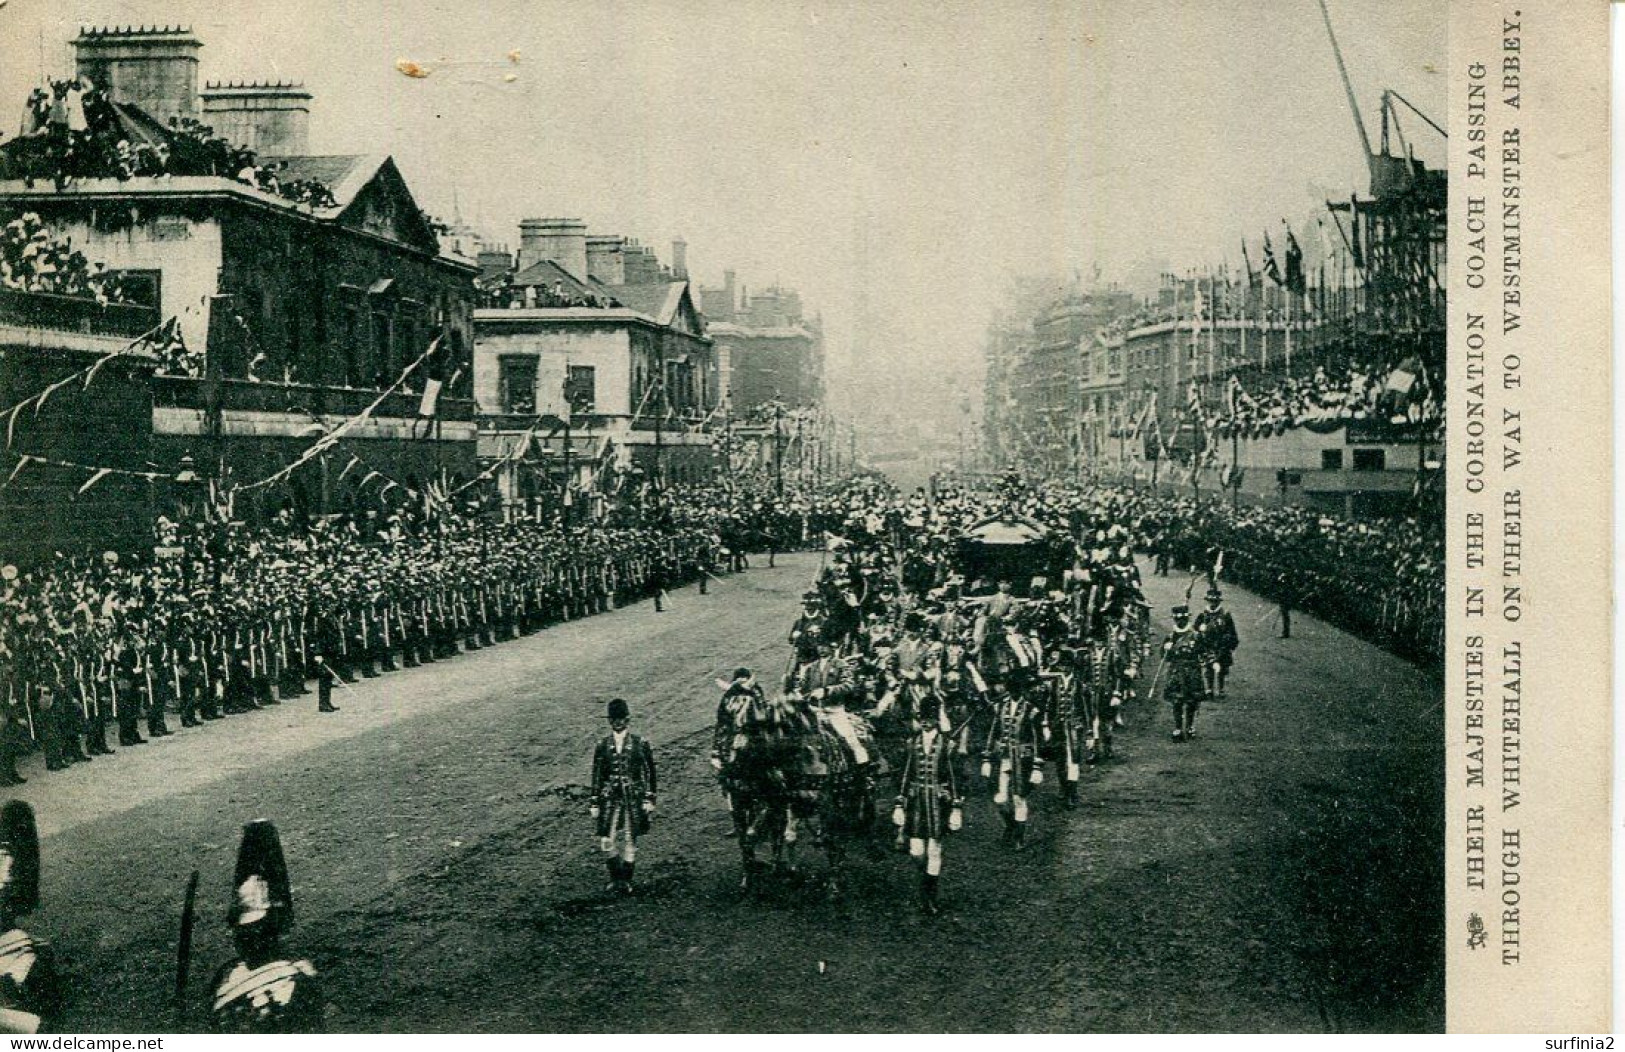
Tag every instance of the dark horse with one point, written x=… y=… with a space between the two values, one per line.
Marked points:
x=798 y=771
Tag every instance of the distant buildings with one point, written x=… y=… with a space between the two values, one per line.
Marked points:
x=766 y=349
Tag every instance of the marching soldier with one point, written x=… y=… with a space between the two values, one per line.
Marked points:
x=928 y=806
x=1217 y=630
x=1184 y=653
x=263 y=991
x=623 y=794
x=30 y=987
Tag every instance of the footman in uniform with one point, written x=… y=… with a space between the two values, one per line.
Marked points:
x=1218 y=632
x=1184 y=652
x=264 y=991
x=623 y=794
x=928 y=803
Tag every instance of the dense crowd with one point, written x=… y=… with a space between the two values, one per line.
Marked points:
x=32 y=259
x=225 y=619
x=503 y=296
x=1381 y=579
x=75 y=131
x=1396 y=393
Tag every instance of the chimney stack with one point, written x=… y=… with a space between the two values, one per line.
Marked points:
x=642 y=268
x=268 y=117
x=606 y=261
x=679 y=259
x=153 y=67
x=493 y=260
x=562 y=240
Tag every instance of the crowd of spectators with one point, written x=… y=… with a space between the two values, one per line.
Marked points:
x=75 y=131
x=1381 y=579
x=32 y=259
x=506 y=296
x=1395 y=393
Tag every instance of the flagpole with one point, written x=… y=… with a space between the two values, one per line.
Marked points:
x=1212 y=323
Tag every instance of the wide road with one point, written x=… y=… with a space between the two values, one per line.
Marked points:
x=1281 y=873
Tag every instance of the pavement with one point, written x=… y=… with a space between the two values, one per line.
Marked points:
x=1284 y=872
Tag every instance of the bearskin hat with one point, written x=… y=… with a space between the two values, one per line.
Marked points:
x=261 y=891
x=19 y=858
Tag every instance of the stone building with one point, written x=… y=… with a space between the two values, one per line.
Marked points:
x=45 y=505
x=767 y=349
x=583 y=374
x=299 y=314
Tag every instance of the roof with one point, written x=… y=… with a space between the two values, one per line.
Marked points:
x=659 y=300
x=343 y=174
x=546 y=273
x=778 y=332
x=1006 y=531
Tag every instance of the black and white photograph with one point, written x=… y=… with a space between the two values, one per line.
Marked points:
x=725 y=517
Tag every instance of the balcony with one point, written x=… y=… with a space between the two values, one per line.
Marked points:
x=45 y=310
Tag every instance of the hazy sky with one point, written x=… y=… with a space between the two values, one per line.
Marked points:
x=917 y=154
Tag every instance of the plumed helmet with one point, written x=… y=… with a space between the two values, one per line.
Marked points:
x=261 y=891
x=19 y=859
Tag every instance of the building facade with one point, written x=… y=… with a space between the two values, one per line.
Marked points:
x=296 y=315
x=767 y=350
x=586 y=380
x=52 y=499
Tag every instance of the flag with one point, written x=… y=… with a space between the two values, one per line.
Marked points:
x=97 y=476
x=1271 y=267
x=434 y=372
x=1403 y=377
x=1294 y=264
x=1354 y=233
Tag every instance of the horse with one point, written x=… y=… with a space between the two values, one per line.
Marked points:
x=797 y=769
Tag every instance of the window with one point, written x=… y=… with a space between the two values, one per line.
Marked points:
x=350 y=345
x=383 y=349
x=581 y=388
x=1370 y=460
x=143 y=287
x=517 y=376
x=1331 y=460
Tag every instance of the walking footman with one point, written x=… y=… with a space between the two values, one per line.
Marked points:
x=623 y=794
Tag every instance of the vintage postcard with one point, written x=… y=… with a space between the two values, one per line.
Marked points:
x=816 y=516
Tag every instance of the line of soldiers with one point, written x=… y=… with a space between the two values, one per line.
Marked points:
x=83 y=646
